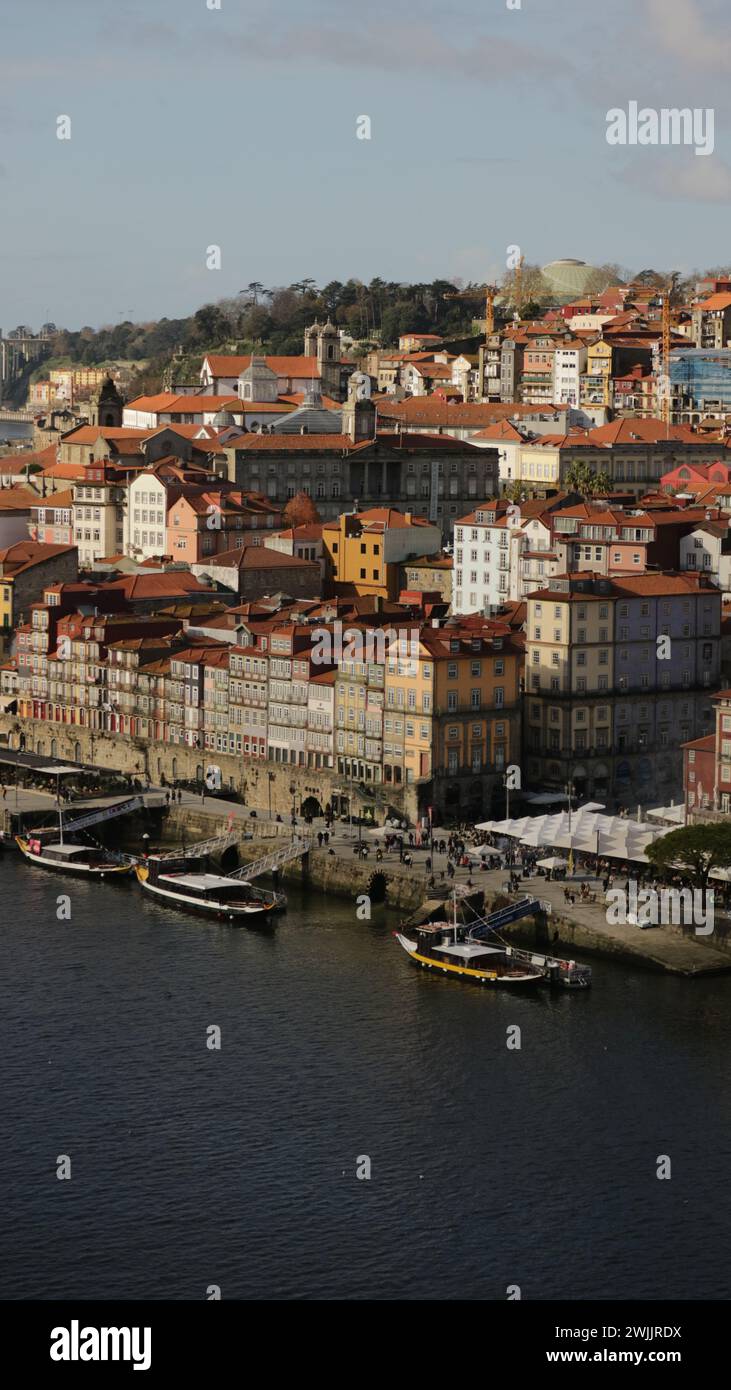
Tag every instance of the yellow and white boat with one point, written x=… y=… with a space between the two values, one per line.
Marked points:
x=438 y=947
x=72 y=859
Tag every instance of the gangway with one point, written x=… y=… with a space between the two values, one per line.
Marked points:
x=274 y=860
x=201 y=848
x=97 y=815
x=556 y=971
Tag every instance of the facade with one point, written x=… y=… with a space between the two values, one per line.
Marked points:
x=365 y=550
x=99 y=513
x=619 y=673
x=452 y=715
x=437 y=475
x=25 y=569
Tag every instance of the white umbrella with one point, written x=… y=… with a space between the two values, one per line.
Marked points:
x=487 y=852
x=552 y=862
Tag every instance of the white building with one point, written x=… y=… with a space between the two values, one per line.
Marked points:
x=147 y=513
x=569 y=361
x=502 y=552
x=707 y=550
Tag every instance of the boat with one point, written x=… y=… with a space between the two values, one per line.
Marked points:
x=214 y=895
x=447 y=947
x=438 y=948
x=73 y=859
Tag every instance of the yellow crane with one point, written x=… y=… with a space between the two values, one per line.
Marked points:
x=489 y=292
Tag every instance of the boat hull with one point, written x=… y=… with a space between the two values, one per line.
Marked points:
x=253 y=915
x=469 y=974
x=75 y=870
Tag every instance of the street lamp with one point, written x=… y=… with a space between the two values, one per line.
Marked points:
x=293 y=794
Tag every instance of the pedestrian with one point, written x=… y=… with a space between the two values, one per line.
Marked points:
x=428 y=863
x=319 y=838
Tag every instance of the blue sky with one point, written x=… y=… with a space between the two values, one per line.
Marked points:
x=237 y=127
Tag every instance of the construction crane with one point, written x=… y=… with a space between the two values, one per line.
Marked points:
x=489 y=291
x=518 y=284
x=665 y=359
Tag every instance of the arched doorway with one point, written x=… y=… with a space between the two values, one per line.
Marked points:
x=378 y=888
x=311 y=807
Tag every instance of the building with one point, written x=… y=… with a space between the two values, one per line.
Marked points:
x=215 y=520
x=619 y=673
x=712 y=322
x=452 y=716
x=253 y=571
x=25 y=569
x=51 y=519
x=99 y=513
x=364 y=550
x=707 y=550
x=490 y=546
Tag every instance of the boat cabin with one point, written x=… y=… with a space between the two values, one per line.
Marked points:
x=208 y=887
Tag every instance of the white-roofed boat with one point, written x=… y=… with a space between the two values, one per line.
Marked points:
x=446 y=948
x=73 y=859
x=214 y=895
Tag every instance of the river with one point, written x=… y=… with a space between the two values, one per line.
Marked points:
x=490 y=1167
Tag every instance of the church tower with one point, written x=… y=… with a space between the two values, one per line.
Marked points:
x=328 y=357
x=358 y=414
x=108 y=408
x=311 y=334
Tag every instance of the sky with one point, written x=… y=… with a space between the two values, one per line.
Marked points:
x=236 y=127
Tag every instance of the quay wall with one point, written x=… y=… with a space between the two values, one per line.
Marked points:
x=262 y=786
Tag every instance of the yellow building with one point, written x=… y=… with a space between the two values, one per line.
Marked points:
x=452 y=713
x=596 y=381
x=364 y=550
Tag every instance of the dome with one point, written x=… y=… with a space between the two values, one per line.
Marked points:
x=223 y=420
x=570 y=278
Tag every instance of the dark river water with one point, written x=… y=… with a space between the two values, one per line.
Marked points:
x=237 y=1168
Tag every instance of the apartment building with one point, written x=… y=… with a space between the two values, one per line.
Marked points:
x=456 y=695
x=99 y=513
x=619 y=673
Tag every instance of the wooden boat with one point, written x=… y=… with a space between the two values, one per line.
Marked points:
x=447 y=947
x=214 y=895
x=72 y=859
x=436 y=948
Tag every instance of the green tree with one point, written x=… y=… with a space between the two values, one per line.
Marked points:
x=580 y=477
x=694 y=850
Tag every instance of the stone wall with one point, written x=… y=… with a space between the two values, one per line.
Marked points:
x=262 y=786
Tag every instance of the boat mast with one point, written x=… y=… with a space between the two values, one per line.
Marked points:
x=454 y=899
x=58 y=803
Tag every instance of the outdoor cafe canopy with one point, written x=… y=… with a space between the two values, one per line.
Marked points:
x=587 y=830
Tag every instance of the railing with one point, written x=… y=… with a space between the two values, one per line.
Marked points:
x=204 y=847
x=274 y=860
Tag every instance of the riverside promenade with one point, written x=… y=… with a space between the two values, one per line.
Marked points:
x=581 y=927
